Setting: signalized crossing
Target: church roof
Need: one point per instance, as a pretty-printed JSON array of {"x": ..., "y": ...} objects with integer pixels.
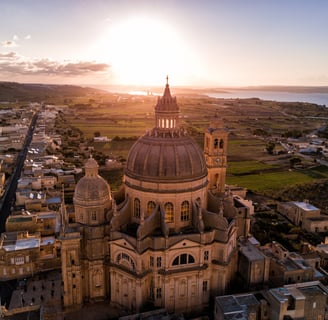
[
  {"x": 167, "y": 103},
  {"x": 91, "y": 187},
  {"x": 166, "y": 153},
  {"x": 165, "y": 158}
]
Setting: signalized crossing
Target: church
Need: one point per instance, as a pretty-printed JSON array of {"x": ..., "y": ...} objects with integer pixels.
[{"x": 169, "y": 239}]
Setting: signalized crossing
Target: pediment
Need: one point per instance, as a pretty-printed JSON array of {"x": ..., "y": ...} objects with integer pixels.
[
  {"x": 184, "y": 243},
  {"x": 123, "y": 243}
]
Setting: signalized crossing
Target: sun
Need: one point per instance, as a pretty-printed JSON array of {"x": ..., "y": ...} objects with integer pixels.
[{"x": 143, "y": 51}]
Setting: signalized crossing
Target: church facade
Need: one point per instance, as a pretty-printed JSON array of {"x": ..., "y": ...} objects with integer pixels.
[{"x": 171, "y": 240}]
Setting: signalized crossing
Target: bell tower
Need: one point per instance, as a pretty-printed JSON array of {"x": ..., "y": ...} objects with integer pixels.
[{"x": 215, "y": 150}]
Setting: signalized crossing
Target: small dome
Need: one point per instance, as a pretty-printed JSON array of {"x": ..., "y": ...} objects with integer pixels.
[
  {"x": 91, "y": 163},
  {"x": 170, "y": 159},
  {"x": 92, "y": 187}
]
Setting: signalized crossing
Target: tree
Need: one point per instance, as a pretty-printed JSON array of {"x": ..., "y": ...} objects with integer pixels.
[
  {"x": 270, "y": 147},
  {"x": 293, "y": 161}
]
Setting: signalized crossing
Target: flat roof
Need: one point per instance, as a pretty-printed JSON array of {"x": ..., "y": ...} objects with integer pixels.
[
  {"x": 311, "y": 290},
  {"x": 305, "y": 206},
  {"x": 21, "y": 244},
  {"x": 20, "y": 218},
  {"x": 252, "y": 253},
  {"x": 247, "y": 299},
  {"x": 281, "y": 294},
  {"x": 229, "y": 304},
  {"x": 47, "y": 240}
]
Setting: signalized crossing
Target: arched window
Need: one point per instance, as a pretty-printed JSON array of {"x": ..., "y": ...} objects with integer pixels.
[
  {"x": 137, "y": 208},
  {"x": 185, "y": 211},
  {"x": 169, "y": 217},
  {"x": 183, "y": 259},
  {"x": 216, "y": 143},
  {"x": 216, "y": 180},
  {"x": 221, "y": 144},
  {"x": 150, "y": 207},
  {"x": 123, "y": 257}
]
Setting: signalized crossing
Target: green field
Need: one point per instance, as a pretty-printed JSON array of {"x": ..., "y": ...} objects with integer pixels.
[
  {"x": 122, "y": 128},
  {"x": 267, "y": 182},
  {"x": 245, "y": 148},
  {"x": 247, "y": 167}
]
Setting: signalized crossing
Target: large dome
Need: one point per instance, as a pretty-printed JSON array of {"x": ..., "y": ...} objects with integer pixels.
[
  {"x": 165, "y": 158},
  {"x": 166, "y": 153},
  {"x": 91, "y": 187}
]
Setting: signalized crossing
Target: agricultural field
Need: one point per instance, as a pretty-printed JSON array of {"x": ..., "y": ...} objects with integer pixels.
[{"x": 125, "y": 118}]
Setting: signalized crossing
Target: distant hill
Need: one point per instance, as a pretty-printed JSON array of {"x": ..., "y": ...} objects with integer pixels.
[{"x": 12, "y": 91}]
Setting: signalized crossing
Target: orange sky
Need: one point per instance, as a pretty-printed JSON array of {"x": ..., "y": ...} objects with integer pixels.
[{"x": 198, "y": 43}]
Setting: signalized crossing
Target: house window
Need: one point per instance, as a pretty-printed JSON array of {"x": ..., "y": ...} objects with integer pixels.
[
  {"x": 151, "y": 293},
  {"x": 185, "y": 211},
  {"x": 137, "y": 208},
  {"x": 94, "y": 216},
  {"x": 159, "y": 262},
  {"x": 183, "y": 259},
  {"x": 150, "y": 207},
  {"x": 19, "y": 260},
  {"x": 216, "y": 143},
  {"x": 158, "y": 293},
  {"x": 206, "y": 255},
  {"x": 205, "y": 286},
  {"x": 151, "y": 261},
  {"x": 169, "y": 212},
  {"x": 221, "y": 144}
]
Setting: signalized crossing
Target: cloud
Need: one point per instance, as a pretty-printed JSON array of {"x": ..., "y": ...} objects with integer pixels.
[
  {"x": 9, "y": 44},
  {"x": 28, "y": 37},
  {"x": 12, "y": 63}
]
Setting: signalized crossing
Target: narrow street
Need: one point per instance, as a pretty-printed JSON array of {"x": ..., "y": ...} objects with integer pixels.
[{"x": 9, "y": 196}]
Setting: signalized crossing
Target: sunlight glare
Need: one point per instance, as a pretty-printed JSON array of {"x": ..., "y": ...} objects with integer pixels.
[{"x": 142, "y": 50}]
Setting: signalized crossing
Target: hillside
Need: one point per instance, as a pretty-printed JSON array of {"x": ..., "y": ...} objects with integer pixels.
[{"x": 12, "y": 91}]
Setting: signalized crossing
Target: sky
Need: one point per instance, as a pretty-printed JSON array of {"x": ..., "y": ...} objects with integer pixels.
[{"x": 200, "y": 43}]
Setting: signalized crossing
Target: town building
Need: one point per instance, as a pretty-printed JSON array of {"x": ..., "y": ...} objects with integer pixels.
[
  {"x": 305, "y": 215},
  {"x": 307, "y": 300},
  {"x": 289, "y": 267}
]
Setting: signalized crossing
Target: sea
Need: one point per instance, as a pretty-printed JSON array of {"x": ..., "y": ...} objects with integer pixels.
[
  {"x": 284, "y": 96},
  {"x": 319, "y": 97}
]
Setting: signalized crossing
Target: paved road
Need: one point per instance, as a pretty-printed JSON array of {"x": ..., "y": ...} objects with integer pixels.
[{"x": 9, "y": 196}]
